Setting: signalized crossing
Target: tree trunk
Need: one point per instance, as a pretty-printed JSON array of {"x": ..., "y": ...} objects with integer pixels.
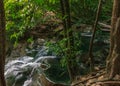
[
  {"x": 68, "y": 34},
  {"x": 113, "y": 59},
  {"x": 70, "y": 43},
  {"x": 62, "y": 3},
  {"x": 115, "y": 68},
  {"x": 91, "y": 57},
  {"x": 2, "y": 43}
]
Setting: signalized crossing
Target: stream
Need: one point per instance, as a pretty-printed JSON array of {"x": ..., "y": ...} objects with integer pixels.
[{"x": 24, "y": 70}]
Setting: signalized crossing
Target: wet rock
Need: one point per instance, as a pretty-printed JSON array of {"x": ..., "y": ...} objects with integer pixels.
[
  {"x": 42, "y": 51},
  {"x": 25, "y": 70}
]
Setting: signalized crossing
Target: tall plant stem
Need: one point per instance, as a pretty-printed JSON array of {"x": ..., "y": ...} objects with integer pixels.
[{"x": 91, "y": 58}]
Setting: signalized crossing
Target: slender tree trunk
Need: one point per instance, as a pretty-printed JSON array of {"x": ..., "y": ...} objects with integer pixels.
[
  {"x": 65, "y": 7},
  {"x": 62, "y": 3},
  {"x": 72, "y": 68},
  {"x": 2, "y": 43},
  {"x": 115, "y": 16},
  {"x": 91, "y": 58}
]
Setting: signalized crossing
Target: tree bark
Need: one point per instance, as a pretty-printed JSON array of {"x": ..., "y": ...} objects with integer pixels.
[
  {"x": 115, "y": 68},
  {"x": 2, "y": 43},
  {"x": 113, "y": 59}
]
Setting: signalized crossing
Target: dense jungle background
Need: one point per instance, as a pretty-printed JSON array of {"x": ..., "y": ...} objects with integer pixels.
[{"x": 59, "y": 42}]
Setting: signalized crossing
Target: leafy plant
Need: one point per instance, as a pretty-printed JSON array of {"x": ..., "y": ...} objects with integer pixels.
[{"x": 23, "y": 15}]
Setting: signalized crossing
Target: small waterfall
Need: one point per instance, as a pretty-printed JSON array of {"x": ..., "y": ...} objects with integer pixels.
[
  {"x": 26, "y": 68},
  {"x": 24, "y": 71}
]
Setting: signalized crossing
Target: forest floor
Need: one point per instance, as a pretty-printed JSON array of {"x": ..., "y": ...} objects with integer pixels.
[{"x": 98, "y": 78}]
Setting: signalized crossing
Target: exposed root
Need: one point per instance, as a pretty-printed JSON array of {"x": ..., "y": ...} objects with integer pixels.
[{"x": 87, "y": 80}]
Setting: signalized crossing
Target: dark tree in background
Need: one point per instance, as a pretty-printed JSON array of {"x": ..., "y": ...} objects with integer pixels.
[{"x": 2, "y": 43}]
